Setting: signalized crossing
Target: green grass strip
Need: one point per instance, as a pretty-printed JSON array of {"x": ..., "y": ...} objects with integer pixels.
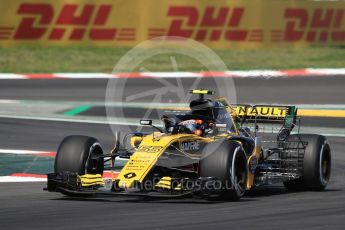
[
  {"x": 103, "y": 59},
  {"x": 77, "y": 110}
]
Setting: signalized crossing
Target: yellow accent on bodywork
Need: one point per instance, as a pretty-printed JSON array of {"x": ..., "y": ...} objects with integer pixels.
[
  {"x": 165, "y": 182},
  {"x": 202, "y": 91},
  {"x": 91, "y": 179},
  {"x": 146, "y": 156},
  {"x": 250, "y": 178},
  {"x": 265, "y": 111}
]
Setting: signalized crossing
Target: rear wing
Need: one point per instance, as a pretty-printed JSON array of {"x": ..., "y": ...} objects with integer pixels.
[
  {"x": 255, "y": 114},
  {"x": 285, "y": 115},
  {"x": 265, "y": 112},
  {"x": 261, "y": 112}
]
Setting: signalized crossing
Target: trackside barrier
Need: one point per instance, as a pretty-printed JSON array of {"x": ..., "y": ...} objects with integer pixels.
[{"x": 218, "y": 24}]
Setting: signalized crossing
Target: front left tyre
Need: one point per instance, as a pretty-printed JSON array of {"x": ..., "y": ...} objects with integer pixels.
[{"x": 78, "y": 154}]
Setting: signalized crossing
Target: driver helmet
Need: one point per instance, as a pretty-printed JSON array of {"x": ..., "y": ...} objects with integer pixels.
[{"x": 192, "y": 126}]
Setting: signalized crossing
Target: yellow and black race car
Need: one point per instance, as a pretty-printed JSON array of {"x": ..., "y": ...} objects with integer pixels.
[{"x": 215, "y": 151}]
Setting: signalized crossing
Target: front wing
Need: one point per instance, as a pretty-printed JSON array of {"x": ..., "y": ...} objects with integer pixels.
[{"x": 72, "y": 184}]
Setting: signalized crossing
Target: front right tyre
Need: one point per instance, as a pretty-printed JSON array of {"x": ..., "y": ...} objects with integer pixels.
[{"x": 226, "y": 161}]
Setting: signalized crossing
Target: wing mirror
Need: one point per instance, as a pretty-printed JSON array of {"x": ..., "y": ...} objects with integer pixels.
[{"x": 145, "y": 122}]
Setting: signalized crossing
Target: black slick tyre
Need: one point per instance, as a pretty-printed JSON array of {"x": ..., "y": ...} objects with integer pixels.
[
  {"x": 316, "y": 171},
  {"x": 75, "y": 154},
  {"x": 226, "y": 161}
]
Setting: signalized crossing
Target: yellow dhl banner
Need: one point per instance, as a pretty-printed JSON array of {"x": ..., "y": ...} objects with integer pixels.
[{"x": 218, "y": 24}]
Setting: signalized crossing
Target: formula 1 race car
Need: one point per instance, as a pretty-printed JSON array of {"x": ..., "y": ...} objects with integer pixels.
[{"x": 215, "y": 151}]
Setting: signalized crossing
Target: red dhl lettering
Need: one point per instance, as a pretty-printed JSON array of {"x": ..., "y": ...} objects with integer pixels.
[
  {"x": 72, "y": 21},
  {"x": 224, "y": 23},
  {"x": 219, "y": 24},
  {"x": 210, "y": 24},
  {"x": 321, "y": 25}
]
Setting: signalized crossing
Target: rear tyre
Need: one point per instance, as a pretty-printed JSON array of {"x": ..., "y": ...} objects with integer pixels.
[
  {"x": 75, "y": 154},
  {"x": 316, "y": 164},
  {"x": 226, "y": 161}
]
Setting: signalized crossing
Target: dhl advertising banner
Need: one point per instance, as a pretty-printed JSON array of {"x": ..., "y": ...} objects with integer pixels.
[{"x": 218, "y": 24}]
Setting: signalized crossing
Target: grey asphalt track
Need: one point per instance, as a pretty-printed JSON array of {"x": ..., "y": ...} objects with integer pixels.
[
  {"x": 298, "y": 90},
  {"x": 46, "y": 135},
  {"x": 26, "y": 206}
]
